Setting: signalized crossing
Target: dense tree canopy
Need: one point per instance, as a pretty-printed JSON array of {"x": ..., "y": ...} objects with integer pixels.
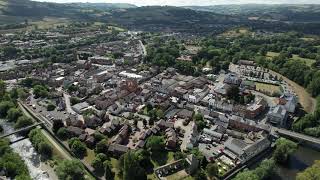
[
  {"x": 70, "y": 169},
  {"x": 284, "y": 148},
  {"x": 155, "y": 143},
  {"x": 311, "y": 173}
]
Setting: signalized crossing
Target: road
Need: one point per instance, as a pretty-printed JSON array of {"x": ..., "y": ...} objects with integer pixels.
[
  {"x": 296, "y": 135},
  {"x": 143, "y": 48},
  {"x": 305, "y": 99},
  {"x": 60, "y": 149},
  {"x": 68, "y": 104}
]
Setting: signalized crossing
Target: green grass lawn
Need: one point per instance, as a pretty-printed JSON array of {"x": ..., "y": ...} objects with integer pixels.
[
  {"x": 90, "y": 156},
  {"x": 268, "y": 88},
  {"x": 308, "y": 62},
  {"x": 162, "y": 158},
  {"x": 272, "y": 54}
]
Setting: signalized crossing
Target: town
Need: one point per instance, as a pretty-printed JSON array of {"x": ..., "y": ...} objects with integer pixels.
[{"x": 99, "y": 97}]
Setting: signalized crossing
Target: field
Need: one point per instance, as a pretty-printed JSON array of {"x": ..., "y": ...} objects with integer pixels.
[
  {"x": 307, "y": 39},
  {"x": 271, "y": 55},
  {"x": 47, "y": 23},
  {"x": 181, "y": 175},
  {"x": 268, "y": 88},
  {"x": 236, "y": 32},
  {"x": 308, "y": 62}
]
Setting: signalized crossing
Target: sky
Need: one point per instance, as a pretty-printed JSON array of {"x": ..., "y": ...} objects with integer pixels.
[{"x": 190, "y": 2}]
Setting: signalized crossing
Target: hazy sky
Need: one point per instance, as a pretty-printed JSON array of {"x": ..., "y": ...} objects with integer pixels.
[{"x": 191, "y": 2}]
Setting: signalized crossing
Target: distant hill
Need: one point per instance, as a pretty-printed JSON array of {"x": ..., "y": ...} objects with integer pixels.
[
  {"x": 14, "y": 11},
  {"x": 207, "y": 20},
  {"x": 285, "y": 12},
  {"x": 170, "y": 18},
  {"x": 104, "y": 6}
]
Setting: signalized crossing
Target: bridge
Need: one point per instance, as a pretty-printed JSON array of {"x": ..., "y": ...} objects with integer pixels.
[
  {"x": 21, "y": 130},
  {"x": 297, "y": 136}
]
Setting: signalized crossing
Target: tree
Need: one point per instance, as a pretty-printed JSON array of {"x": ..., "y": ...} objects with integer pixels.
[
  {"x": 246, "y": 175},
  {"x": 266, "y": 169},
  {"x": 70, "y": 169},
  {"x": 151, "y": 122},
  {"x": 199, "y": 120},
  {"x": 56, "y": 125},
  {"x": 135, "y": 122},
  {"x": 62, "y": 133},
  {"x": 311, "y": 173},
  {"x": 130, "y": 167},
  {"x": 178, "y": 155},
  {"x": 77, "y": 147},
  {"x": 4, "y": 107},
  {"x": 3, "y": 88},
  {"x": 155, "y": 143},
  {"x": 212, "y": 170},
  {"x": 40, "y": 91},
  {"x": 284, "y": 148},
  {"x": 45, "y": 150},
  {"x": 51, "y": 107},
  {"x": 13, "y": 114},
  {"x": 144, "y": 122},
  {"x": 23, "y": 121},
  {"x": 233, "y": 93},
  {"x": 10, "y": 51},
  {"x": 102, "y": 146},
  {"x": 107, "y": 170},
  {"x": 200, "y": 175},
  {"x": 97, "y": 164},
  {"x": 160, "y": 113}
]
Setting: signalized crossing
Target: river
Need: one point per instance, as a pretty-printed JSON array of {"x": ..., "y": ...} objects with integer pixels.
[
  {"x": 26, "y": 151},
  {"x": 300, "y": 160}
]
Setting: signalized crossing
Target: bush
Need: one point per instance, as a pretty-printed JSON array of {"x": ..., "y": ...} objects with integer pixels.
[
  {"x": 102, "y": 146},
  {"x": 4, "y": 108},
  {"x": 77, "y": 147},
  {"x": 40, "y": 143},
  {"x": 70, "y": 169},
  {"x": 13, "y": 114},
  {"x": 51, "y": 107},
  {"x": 45, "y": 149},
  {"x": 62, "y": 133},
  {"x": 22, "y": 122}
]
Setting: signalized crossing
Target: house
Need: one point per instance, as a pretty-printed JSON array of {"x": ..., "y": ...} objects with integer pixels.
[
  {"x": 215, "y": 136},
  {"x": 92, "y": 121},
  {"x": 246, "y": 63},
  {"x": 80, "y": 107},
  {"x": 75, "y": 131},
  {"x": 73, "y": 120},
  {"x": 101, "y": 60},
  {"x": 220, "y": 105},
  {"x": 191, "y": 137},
  {"x": 278, "y": 115},
  {"x": 192, "y": 164},
  {"x": 232, "y": 79},
  {"x": 222, "y": 89},
  {"x": 255, "y": 109},
  {"x": 117, "y": 149},
  {"x": 171, "y": 136},
  {"x": 289, "y": 102},
  {"x": 122, "y": 135},
  {"x": 185, "y": 114}
]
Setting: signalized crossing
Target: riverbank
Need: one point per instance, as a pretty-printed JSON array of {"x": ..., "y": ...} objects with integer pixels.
[
  {"x": 299, "y": 161},
  {"x": 38, "y": 170},
  {"x": 305, "y": 99}
]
